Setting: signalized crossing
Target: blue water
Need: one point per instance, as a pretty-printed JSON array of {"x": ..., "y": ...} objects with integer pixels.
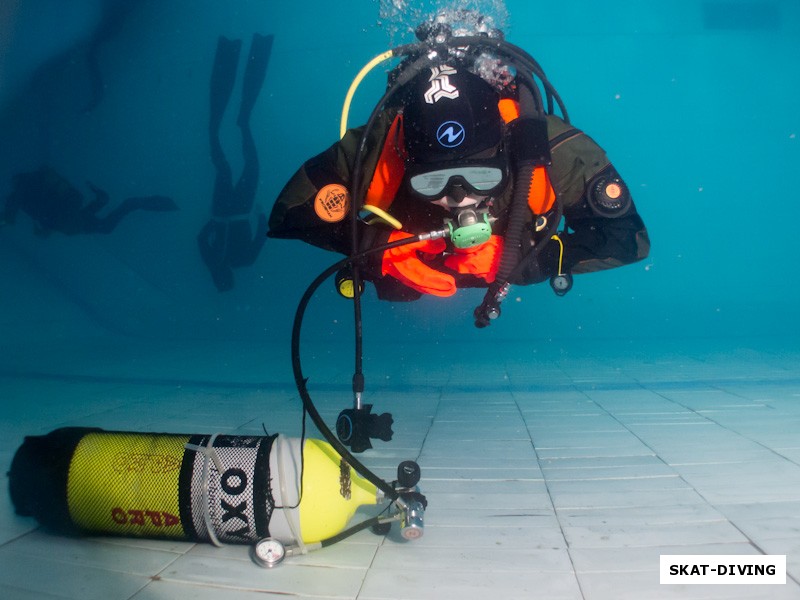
[{"x": 694, "y": 101}]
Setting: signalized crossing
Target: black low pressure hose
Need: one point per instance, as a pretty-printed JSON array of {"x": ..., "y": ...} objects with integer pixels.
[
  {"x": 300, "y": 379},
  {"x": 516, "y": 223},
  {"x": 371, "y": 522},
  {"x": 529, "y": 124},
  {"x": 356, "y": 185},
  {"x": 308, "y": 404}
]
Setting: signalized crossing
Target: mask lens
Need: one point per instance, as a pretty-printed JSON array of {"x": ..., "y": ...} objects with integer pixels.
[{"x": 479, "y": 178}]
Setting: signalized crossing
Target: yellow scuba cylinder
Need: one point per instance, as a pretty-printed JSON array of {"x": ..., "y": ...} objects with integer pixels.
[{"x": 209, "y": 488}]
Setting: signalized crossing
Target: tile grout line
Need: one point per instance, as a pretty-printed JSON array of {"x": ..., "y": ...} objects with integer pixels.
[{"x": 549, "y": 496}]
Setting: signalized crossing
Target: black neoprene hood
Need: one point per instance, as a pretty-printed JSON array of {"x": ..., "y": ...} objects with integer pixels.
[{"x": 450, "y": 115}]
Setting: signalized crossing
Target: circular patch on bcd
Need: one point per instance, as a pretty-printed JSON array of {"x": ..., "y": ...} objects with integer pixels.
[{"x": 332, "y": 203}]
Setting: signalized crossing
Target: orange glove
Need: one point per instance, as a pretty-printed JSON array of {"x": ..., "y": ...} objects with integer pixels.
[
  {"x": 481, "y": 261},
  {"x": 404, "y": 264}
]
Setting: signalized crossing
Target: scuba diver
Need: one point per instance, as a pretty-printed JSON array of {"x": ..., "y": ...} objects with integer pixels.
[
  {"x": 55, "y": 204},
  {"x": 463, "y": 176},
  {"x": 455, "y": 148},
  {"x": 227, "y": 241}
]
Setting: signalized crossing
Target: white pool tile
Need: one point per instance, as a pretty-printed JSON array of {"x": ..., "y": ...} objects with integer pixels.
[
  {"x": 174, "y": 590},
  {"x": 475, "y": 516},
  {"x": 519, "y": 471},
  {"x": 617, "y": 485},
  {"x": 435, "y": 584},
  {"x": 49, "y": 575},
  {"x": 592, "y": 469},
  {"x": 26, "y": 593},
  {"x": 477, "y": 555},
  {"x": 491, "y": 486},
  {"x": 789, "y": 510},
  {"x": 700, "y": 512},
  {"x": 95, "y": 552},
  {"x": 623, "y": 499},
  {"x": 664, "y": 534},
  {"x": 497, "y": 449},
  {"x": 473, "y": 499},
  {"x": 242, "y": 574},
  {"x": 485, "y": 530}
]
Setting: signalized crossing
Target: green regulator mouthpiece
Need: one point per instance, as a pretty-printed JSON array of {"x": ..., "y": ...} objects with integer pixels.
[{"x": 470, "y": 229}]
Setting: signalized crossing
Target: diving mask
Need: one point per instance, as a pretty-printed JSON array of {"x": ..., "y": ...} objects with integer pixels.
[{"x": 480, "y": 178}]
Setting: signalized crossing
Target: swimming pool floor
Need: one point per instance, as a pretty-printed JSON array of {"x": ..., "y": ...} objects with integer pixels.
[{"x": 560, "y": 472}]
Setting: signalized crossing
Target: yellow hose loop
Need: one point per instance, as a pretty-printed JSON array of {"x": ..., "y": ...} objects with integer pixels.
[
  {"x": 560, "y": 253},
  {"x": 382, "y": 214},
  {"x": 354, "y": 85}
]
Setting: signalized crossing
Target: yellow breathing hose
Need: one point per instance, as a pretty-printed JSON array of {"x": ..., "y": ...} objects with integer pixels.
[
  {"x": 354, "y": 85},
  {"x": 382, "y": 214},
  {"x": 560, "y": 253}
]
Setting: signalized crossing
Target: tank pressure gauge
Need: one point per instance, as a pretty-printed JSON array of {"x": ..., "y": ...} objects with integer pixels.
[
  {"x": 561, "y": 283},
  {"x": 268, "y": 553}
]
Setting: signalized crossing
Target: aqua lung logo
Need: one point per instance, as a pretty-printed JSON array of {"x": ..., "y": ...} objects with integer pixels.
[
  {"x": 450, "y": 134},
  {"x": 440, "y": 85}
]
